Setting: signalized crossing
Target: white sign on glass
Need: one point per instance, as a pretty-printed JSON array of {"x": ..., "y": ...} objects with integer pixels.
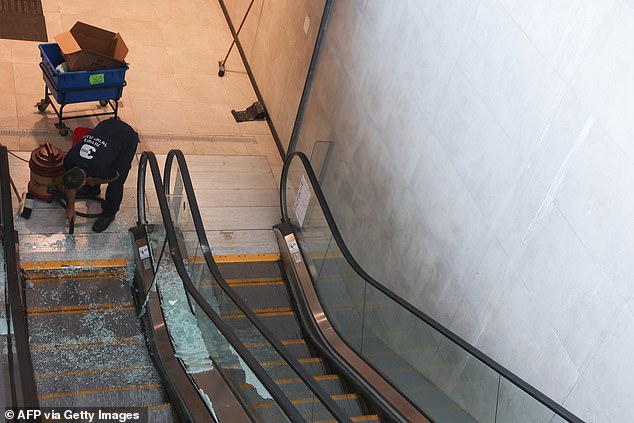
[{"x": 301, "y": 201}]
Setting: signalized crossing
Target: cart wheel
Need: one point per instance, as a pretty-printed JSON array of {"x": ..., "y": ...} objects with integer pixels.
[
  {"x": 103, "y": 103},
  {"x": 42, "y": 105},
  {"x": 64, "y": 130}
]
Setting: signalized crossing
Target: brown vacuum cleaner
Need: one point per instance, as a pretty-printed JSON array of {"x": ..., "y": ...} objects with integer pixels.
[
  {"x": 47, "y": 168},
  {"x": 46, "y": 171}
]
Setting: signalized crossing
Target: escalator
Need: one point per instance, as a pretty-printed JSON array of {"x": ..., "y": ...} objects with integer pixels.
[
  {"x": 309, "y": 335},
  {"x": 258, "y": 352},
  {"x": 303, "y": 335}
]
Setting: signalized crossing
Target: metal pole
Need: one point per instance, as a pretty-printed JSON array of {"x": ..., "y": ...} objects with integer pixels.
[{"x": 221, "y": 63}]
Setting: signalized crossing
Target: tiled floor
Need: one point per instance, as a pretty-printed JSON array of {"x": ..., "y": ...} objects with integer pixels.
[{"x": 173, "y": 98}]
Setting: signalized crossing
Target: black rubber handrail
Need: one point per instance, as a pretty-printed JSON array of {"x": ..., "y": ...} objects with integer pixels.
[
  {"x": 17, "y": 307},
  {"x": 319, "y": 392},
  {"x": 280, "y": 398},
  {"x": 482, "y": 357}
]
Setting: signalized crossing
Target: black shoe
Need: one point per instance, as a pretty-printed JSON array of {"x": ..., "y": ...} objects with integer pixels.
[{"x": 102, "y": 224}]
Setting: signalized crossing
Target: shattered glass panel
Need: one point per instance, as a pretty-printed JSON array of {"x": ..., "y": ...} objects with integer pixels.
[{"x": 181, "y": 323}]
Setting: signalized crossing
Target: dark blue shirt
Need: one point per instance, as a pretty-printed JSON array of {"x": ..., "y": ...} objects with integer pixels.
[{"x": 105, "y": 151}]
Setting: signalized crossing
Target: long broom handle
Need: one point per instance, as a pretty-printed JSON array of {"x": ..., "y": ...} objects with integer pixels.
[{"x": 239, "y": 29}]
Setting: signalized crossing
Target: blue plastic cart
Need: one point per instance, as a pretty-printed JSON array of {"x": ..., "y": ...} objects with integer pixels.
[{"x": 105, "y": 86}]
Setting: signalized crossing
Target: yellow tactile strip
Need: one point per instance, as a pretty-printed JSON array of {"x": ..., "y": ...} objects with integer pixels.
[
  {"x": 89, "y": 371},
  {"x": 266, "y": 344},
  {"x": 99, "y": 391},
  {"x": 256, "y": 281},
  {"x": 338, "y": 397},
  {"x": 262, "y": 312},
  {"x": 79, "y": 309},
  {"x": 247, "y": 258},
  {"x": 49, "y": 268},
  {"x": 135, "y": 340}
]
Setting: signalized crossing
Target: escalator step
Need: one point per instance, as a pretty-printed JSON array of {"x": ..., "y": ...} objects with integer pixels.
[
  {"x": 311, "y": 409},
  {"x": 330, "y": 383},
  {"x": 119, "y": 396},
  {"x": 76, "y": 268},
  {"x": 91, "y": 379},
  {"x": 46, "y": 293},
  {"x": 280, "y": 321},
  {"x": 279, "y": 369},
  {"x": 263, "y": 294},
  {"x": 77, "y": 308},
  {"x": 67, "y": 357},
  {"x": 71, "y": 326},
  {"x": 256, "y": 281},
  {"x": 248, "y": 270},
  {"x": 350, "y": 403},
  {"x": 309, "y": 406},
  {"x": 296, "y": 347},
  {"x": 162, "y": 413}
]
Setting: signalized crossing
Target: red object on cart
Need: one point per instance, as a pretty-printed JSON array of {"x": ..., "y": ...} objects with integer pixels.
[{"x": 78, "y": 134}]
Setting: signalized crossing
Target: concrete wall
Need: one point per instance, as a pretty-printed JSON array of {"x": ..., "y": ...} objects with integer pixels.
[
  {"x": 483, "y": 167},
  {"x": 278, "y": 37}
]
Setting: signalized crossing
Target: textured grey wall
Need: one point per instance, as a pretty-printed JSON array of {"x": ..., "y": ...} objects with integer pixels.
[
  {"x": 483, "y": 166},
  {"x": 278, "y": 37}
]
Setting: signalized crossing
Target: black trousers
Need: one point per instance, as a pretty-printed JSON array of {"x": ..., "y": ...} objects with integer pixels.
[{"x": 114, "y": 193}]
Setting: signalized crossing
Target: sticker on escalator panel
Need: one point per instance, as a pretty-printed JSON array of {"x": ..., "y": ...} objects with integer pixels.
[
  {"x": 144, "y": 252},
  {"x": 297, "y": 257},
  {"x": 293, "y": 247}
]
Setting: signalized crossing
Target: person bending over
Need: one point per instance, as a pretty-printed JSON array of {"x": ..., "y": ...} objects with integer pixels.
[{"x": 103, "y": 156}]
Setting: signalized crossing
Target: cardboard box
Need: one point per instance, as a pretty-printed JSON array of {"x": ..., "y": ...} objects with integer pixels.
[{"x": 86, "y": 48}]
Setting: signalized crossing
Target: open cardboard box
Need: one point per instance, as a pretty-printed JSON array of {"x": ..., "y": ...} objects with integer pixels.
[{"x": 86, "y": 48}]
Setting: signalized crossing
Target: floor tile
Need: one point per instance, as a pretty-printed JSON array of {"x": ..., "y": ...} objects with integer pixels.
[
  {"x": 8, "y": 111},
  {"x": 7, "y": 84},
  {"x": 28, "y": 79},
  {"x": 173, "y": 98}
]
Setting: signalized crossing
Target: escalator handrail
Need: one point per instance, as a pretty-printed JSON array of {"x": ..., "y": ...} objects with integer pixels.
[
  {"x": 328, "y": 402},
  {"x": 280, "y": 398},
  {"x": 18, "y": 311},
  {"x": 453, "y": 337}
]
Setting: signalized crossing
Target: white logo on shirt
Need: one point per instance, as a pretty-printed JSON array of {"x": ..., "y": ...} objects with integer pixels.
[{"x": 86, "y": 151}]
